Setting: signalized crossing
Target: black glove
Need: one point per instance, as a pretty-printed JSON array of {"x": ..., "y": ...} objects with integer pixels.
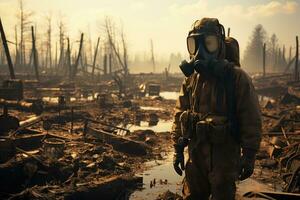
[
  {"x": 247, "y": 164},
  {"x": 179, "y": 155}
]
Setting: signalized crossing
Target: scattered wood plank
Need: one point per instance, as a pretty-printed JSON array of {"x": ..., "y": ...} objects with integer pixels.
[{"x": 122, "y": 144}]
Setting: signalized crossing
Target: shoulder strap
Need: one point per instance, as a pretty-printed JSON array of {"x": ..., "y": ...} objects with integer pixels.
[
  {"x": 220, "y": 95},
  {"x": 192, "y": 87},
  {"x": 230, "y": 88}
]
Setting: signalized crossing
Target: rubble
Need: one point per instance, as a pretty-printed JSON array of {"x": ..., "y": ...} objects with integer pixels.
[
  {"x": 168, "y": 195},
  {"x": 77, "y": 148},
  {"x": 279, "y": 155}
]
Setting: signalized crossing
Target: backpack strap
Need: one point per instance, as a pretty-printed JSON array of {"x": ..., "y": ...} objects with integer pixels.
[
  {"x": 231, "y": 103},
  {"x": 192, "y": 88},
  {"x": 220, "y": 95}
]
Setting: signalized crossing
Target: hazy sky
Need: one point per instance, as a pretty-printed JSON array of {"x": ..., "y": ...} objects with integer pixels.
[{"x": 165, "y": 21}]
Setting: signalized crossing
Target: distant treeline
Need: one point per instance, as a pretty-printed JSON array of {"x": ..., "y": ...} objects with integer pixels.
[{"x": 277, "y": 56}]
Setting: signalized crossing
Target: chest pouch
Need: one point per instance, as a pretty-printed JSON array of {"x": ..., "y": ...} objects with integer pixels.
[
  {"x": 187, "y": 120},
  {"x": 218, "y": 129},
  {"x": 202, "y": 131},
  {"x": 214, "y": 129}
]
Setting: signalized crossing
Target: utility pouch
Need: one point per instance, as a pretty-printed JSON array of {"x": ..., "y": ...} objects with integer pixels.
[
  {"x": 202, "y": 131},
  {"x": 186, "y": 124},
  {"x": 219, "y": 131}
]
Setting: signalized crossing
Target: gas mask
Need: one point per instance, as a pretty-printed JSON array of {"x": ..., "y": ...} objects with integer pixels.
[
  {"x": 205, "y": 47},
  {"x": 205, "y": 43}
]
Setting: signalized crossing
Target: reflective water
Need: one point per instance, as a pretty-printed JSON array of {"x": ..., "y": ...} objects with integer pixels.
[
  {"x": 161, "y": 126},
  {"x": 72, "y": 99},
  {"x": 169, "y": 95},
  {"x": 150, "y": 108},
  {"x": 165, "y": 178},
  {"x": 265, "y": 99}
]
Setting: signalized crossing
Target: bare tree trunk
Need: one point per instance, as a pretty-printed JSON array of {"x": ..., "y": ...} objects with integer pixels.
[
  {"x": 283, "y": 54},
  {"x": 90, "y": 47},
  {"x": 297, "y": 59},
  {"x": 279, "y": 58},
  {"x": 290, "y": 54},
  {"x": 55, "y": 56},
  {"x": 49, "y": 35},
  {"x": 22, "y": 47},
  {"x": 24, "y": 17},
  {"x": 95, "y": 57},
  {"x": 110, "y": 64},
  {"x": 276, "y": 59},
  {"x": 105, "y": 64},
  {"x": 274, "y": 56},
  {"x": 78, "y": 56},
  {"x": 1, "y": 54},
  {"x": 125, "y": 55},
  {"x": 69, "y": 59},
  {"x": 152, "y": 55},
  {"x": 61, "y": 45},
  {"x": 8, "y": 58},
  {"x": 34, "y": 53},
  {"x": 264, "y": 60},
  {"x": 108, "y": 28},
  {"x": 17, "y": 58}
]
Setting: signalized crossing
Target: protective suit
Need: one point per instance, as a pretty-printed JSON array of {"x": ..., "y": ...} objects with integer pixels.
[{"x": 217, "y": 117}]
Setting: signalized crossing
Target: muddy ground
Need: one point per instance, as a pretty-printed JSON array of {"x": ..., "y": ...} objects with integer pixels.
[{"x": 120, "y": 148}]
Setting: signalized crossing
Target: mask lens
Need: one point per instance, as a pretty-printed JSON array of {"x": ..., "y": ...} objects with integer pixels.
[
  {"x": 211, "y": 43},
  {"x": 191, "y": 45}
]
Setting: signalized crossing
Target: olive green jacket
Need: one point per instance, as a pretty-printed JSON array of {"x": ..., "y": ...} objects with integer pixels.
[{"x": 202, "y": 94}]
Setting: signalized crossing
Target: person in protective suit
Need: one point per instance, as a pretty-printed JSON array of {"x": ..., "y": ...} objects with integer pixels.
[{"x": 217, "y": 117}]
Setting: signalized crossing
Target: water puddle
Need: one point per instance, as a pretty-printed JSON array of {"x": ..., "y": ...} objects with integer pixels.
[
  {"x": 169, "y": 95},
  {"x": 50, "y": 99},
  {"x": 165, "y": 179},
  {"x": 265, "y": 99},
  {"x": 150, "y": 108},
  {"x": 72, "y": 99},
  {"x": 161, "y": 126}
]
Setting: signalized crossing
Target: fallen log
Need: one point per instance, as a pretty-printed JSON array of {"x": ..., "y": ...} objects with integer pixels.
[
  {"x": 278, "y": 118},
  {"x": 109, "y": 125},
  {"x": 290, "y": 98},
  {"x": 111, "y": 188},
  {"x": 26, "y": 123},
  {"x": 272, "y": 195},
  {"x": 272, "y": 91},
  {"x": 278, "y": 124},
  {"x": 285, "y": 136},
  {"x": 30, "y": 121},
  {"x": 119, "y": 143},
  {"x": 36, "y": 106},
  {"x": 108, "y": 188},
  {"x": 55, "y": 89},
  {"x": 280, "y": 133}
]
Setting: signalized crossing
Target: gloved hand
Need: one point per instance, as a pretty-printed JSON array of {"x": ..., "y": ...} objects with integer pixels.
[
  {"x": 178, "y": 160},
  {"x": 247, "y": 164}
]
